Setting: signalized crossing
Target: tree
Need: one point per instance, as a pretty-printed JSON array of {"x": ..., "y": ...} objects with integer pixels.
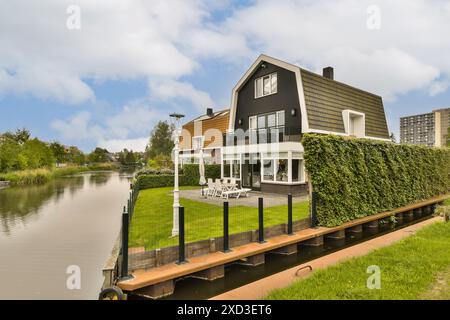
[
  {"x": 160, "y": 140},
  {"x": 37, "y": 154},
  {"x": 76, "y": 156},
  {"x": 59, "y": 152},
  {"x": 99, "y": 155},
  {"x": 20, "y": 136},
  {"x": 447, "y": 138}
]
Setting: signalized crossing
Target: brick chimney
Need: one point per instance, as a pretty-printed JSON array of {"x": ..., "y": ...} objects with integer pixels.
[{"x": 209, "y": 112}]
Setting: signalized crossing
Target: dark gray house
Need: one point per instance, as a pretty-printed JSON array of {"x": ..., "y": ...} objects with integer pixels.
[{"x": 273, "y": 104}]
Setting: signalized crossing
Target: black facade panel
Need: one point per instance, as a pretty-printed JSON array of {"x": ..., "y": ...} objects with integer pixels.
[{"x": 286, "y": 98}]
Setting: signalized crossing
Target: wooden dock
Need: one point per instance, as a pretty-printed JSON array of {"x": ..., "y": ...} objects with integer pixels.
[{"x": 158, "y": 282}]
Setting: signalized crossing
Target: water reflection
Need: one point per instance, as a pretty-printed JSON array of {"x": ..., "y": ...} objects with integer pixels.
[{"x": 46, "y": 228}]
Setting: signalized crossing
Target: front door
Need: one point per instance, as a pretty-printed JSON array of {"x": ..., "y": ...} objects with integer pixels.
[{"x": 251, "y": 174}]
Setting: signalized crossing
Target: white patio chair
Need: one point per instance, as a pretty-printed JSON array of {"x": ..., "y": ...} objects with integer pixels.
[
  {"x": 211, "y": 188},
  {"x": 218, "y": 189}
]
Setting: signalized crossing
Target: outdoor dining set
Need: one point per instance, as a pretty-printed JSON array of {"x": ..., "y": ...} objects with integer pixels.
[{"x": 225, "y": 188}]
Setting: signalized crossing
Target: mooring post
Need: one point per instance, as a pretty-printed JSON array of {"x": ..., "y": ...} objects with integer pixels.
[
  {"x": 314, "y": 209},
  {"x": 289, "y": 226},
  {"x": 181, "y": 244},
  {"x": 125, "y": 224},
  {"x": 226, "y": 240},
  {"x": 261, "y": 220}
]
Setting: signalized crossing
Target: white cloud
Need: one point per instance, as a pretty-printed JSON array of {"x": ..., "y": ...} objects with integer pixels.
[
  {"x": 128, "y": 128},
  {"x": 115, "y": 145},
  {"x": 408, "y": 52},
  {"x": 171, "y": 89},
  {"x": 118, "y": 39}
]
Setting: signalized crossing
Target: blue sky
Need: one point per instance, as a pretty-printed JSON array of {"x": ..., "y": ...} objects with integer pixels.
[{"x": 103, "y": 73}]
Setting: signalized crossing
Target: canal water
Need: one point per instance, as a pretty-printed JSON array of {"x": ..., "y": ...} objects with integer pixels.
[{"x": 67, "y": 225}]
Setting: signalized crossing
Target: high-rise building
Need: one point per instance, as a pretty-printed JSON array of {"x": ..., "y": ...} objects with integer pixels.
[{"x": 429, "y": 129}]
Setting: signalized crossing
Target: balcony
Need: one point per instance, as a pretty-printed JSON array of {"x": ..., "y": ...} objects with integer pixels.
[{"x": 263, "y": 136}]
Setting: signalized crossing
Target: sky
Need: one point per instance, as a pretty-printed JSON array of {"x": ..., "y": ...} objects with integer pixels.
[{"x": 103, "y": 73}]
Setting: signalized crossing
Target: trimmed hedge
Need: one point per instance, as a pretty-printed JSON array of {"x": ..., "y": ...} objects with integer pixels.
[
  {"x": 189, "y": 176},
  {"x": 354, "y": 178}
]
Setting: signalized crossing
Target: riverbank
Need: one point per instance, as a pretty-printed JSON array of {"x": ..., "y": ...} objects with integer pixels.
[
  {"x": 43, "y": 175},
  {"x": 410, "y": 269}
]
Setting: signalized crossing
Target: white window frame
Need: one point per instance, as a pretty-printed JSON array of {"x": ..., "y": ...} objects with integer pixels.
[
  {"x": 201, "y": 141},
  {"x": 290, "y": 157},
  {"x": 259, "y": 85}
]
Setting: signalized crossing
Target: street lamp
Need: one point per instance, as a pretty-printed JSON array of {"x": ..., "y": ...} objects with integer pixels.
[{"x": 176, "y": 193}]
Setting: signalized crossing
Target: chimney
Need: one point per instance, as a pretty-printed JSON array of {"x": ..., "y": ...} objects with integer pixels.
[
  {"x": 328, "y": 72},
  {"x": 209, "y": 112}
]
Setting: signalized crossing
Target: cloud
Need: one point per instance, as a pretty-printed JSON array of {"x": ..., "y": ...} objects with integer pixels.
[
  {"x": 176, "y": 90},
  {"x": 115, "y": 145},
  {"x": 407, "y": 53},
  {"x": 117, "y": 39},
  {"x": 129, "y": 128}
]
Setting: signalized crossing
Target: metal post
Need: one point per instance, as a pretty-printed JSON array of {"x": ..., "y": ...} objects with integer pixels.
[
  {"x": 181, "y": 244},
  {"x": 125, "y": 222},
  {"x": 176, "y": 191},
  {"x": 226, "y": 240},
  {"x": 289, "y": 225},
  {"x": 261, "y": 221},
  {"x": 314, "y": 221}
]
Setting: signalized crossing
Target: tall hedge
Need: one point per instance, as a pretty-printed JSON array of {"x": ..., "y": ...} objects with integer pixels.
[
  {"x": 354, "y": 178},
  {"x": 189, "y": 176}
]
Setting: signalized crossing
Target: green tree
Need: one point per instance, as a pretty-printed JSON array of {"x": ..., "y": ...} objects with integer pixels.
[
  {"x": 59, "y": 152},
  {"x": 37, "y": 154},
  {"x": 76, "y": 156},
  {"x": 9, "y": 154},
  {"x": 20, "y": 136},
  {"x": 160, "y": 140},
  {"x": 447, "y": 138},
  {"x": 99, "y": 155}
]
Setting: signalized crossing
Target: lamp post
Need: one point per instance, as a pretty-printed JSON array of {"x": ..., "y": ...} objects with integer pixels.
[{"x": 176, "y": 192}]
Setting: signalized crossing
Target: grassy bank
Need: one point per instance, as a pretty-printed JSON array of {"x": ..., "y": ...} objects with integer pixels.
[
  {"x": 152, "y": 220},
  {"x": 39, "y": 176},
  {"x": 417, "y": 267}
]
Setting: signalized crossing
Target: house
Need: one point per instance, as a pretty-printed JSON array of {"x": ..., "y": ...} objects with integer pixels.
[
  {"x": 273, "y": 104},
  {"x": 204, "y": 133},
  {"x": 429, "y": 129}
]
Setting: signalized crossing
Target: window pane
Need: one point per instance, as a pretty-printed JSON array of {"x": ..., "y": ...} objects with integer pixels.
[
  {"x": 274, "y": 82},
  {"x": 236, "y": 169},
  {"x": 258, "y": 88},
  {"x": 252, "y": 122},
  {"x": 226, "y": 168},
  {"x": 282, "y": 170},
  {"x": 280, "y": 120},
  {"x": 268, "y": 170},
  {"x": 261, "y": 122},
  {"x": 266, "y": 85},
  {"x": 271, "y": 120},
  {"x": 297, "y": 170}
]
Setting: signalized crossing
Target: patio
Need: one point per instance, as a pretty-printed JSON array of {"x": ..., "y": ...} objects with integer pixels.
[{"x": 270, "y": 199}]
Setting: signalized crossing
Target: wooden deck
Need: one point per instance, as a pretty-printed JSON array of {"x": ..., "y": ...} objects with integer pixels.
[{"x": 144, "y": 278}]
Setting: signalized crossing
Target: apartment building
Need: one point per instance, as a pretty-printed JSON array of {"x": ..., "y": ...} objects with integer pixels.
[{"x": 429, "y": 129}]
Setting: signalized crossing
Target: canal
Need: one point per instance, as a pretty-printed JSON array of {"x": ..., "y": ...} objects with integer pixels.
[{"x": 46, "y": 229}]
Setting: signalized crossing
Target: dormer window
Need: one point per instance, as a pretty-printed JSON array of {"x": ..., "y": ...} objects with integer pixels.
[{"x": 266, "y": 85}]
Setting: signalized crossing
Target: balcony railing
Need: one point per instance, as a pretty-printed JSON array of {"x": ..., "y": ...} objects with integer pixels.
[{"x": 260, "y": 136}]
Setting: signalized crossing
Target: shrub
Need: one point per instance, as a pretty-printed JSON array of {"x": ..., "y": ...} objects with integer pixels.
[
  {"x": 189, "y": 176},
  {"x": 354, "y": 178}
]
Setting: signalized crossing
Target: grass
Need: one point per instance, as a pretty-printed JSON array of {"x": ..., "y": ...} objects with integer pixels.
[
  {"x": 152, "y": 220},
  {"x": 410, "y": 269},
  {"x": 42, "y": 175}
]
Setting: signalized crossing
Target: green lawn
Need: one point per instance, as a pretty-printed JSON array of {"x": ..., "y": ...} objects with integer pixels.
[
  {"x": 152, "y": 220},
  {"x": 417, "y": 267}
]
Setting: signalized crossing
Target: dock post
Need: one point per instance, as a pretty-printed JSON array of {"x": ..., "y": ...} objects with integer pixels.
[
  {"x": 226, "y": 239},
  {"x": 125, "y": 225},
  {"x": 289, "y": 226},
  {"x": 181, "y": 244},
  {"x": 261, "y": 220},
  {"x": 314, "y": 209}
]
